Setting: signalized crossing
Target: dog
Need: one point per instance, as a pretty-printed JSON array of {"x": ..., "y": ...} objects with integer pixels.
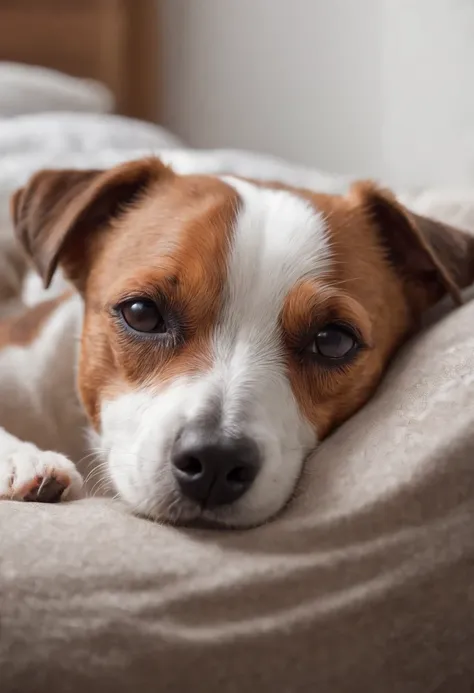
[{"x": 216, "y": 330}]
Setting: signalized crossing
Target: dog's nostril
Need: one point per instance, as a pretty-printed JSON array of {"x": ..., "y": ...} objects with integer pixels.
[
  {"x": 189, "y": 465},
  {"x": 240, "y": 475}
]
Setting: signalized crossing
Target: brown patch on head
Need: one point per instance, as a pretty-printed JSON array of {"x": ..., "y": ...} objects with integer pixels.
[
  {"x": 326, "y": 395},
  {"x": 361, "y": 291},
  {"x": 171, "y": 248},
  {"x": 24, "y": 328},
  {"x": 389, "y": 265},
  {"x": 137, "y": 230}
]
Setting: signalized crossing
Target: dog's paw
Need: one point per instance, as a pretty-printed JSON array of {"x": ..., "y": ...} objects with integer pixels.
[{"x": 30, "y": 474}]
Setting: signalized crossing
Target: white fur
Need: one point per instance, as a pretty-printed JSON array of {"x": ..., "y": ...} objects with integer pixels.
[
  {"x": 33, "y": 375},
  {"x": 33, "y": 291},
  {"x": 278, "y": 240},
  {"x": 32, "y": 410}
]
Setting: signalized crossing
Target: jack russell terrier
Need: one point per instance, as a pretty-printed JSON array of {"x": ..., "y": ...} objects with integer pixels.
[{"x": 217, "y": 330}]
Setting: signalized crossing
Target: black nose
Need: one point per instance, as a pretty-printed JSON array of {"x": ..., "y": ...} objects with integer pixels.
[{"x": 214, "y": 472}]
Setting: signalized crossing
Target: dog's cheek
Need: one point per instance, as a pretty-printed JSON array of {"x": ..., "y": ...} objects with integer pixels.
[{"x": 97, "y": 377}]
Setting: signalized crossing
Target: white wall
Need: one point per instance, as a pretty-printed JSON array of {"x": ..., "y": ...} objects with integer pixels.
[
  {"x": 372, "y": 87},
  {"x": 428, "y": 91}
]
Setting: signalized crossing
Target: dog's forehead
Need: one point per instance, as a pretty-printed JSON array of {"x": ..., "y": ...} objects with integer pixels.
[
  {"x": 279, "y": 226},
  {"x": 278, "y": 239},
  {"x": 255, "y": 239}
]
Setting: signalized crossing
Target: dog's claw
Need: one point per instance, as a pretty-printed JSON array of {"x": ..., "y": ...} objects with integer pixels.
[
  {"x": 38, "y": 476},
  {"x": 49, "y": 490}
]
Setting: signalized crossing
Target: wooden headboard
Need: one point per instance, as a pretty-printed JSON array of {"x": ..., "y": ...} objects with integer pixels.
[{"x": 113, "y": 41}]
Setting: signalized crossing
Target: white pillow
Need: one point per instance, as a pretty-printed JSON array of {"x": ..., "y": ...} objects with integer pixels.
[{"x": 30, "y": 89}]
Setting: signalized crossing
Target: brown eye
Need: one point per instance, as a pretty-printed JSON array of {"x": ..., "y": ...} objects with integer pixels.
[
  {"x": 334, "y": 342},
  {"x": 142, "y": 315}
]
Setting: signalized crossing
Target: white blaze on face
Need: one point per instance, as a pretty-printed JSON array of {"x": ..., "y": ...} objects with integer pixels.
[{"x": 278, "y": 239}]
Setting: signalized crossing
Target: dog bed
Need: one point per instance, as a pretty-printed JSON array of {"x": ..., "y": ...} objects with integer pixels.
[{"x": 365, "y": 582}]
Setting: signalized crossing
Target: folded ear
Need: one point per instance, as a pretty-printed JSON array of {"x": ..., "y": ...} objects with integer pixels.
[
  {"x": 56, "y": 213},
  {"x": 431, "y": 257}
]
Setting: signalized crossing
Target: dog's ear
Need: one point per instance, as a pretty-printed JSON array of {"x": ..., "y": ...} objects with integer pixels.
[
  {"x": 432, "y": 258},
  {"x": 58, "y": 211}
]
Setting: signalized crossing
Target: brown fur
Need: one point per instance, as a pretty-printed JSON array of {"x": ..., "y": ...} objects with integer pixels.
[
  {"x": 362, "y": 290},
  {"x": 186, "y": 225}
]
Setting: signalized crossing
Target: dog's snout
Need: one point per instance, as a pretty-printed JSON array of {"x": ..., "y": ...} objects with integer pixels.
[{"x": 214, "y": 472}]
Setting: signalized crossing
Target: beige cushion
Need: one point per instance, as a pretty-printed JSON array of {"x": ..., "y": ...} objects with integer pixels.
[{"x": 366, "y": 583}]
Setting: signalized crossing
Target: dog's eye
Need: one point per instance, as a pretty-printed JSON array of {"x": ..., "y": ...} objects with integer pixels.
[
  {"x": 334, "y": 343},
  {"x": 142, "y": 315}
]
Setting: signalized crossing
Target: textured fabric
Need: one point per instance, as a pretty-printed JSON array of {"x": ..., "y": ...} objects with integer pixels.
[{"x": 366, "y": 583}]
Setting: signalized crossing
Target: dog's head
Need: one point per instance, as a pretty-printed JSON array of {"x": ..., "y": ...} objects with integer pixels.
[{"x": 229, "y": 325}]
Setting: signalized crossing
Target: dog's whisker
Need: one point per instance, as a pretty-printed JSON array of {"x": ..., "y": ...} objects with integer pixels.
[
  {"x": 96, "y": 471},
  {"x": 100, "y": 486}
]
